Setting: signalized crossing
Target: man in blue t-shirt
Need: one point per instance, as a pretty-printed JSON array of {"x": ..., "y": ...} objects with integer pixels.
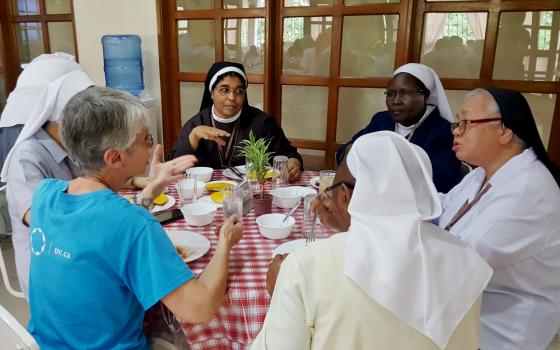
[{"x": 97, "y": 261}]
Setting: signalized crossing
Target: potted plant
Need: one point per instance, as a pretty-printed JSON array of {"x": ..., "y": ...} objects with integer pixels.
[{"x": 256, "y": 151}]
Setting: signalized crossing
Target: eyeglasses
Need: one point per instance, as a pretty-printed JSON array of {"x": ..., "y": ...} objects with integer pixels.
[
  {"x": 462, "y": 125},
  {"x": 404, "y": 95},
  {"x": 333, "y": 187},
  {"x": 225, "y": 91}
]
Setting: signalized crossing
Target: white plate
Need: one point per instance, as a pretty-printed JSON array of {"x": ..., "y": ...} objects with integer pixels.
[
  {"x": 288, "y": 247},
  {"x": 194, "y": 243},
  {"x": 315, "y": 181},
  {"x": 170, "y": 202},
  {"x": 229, "y": 174}
]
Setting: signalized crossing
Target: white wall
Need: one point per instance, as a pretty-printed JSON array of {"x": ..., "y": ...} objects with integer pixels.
[{"x": 93, "y": 19}]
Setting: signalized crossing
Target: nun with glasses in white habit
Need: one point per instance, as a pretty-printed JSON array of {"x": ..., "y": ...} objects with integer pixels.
[{"x": 393, "y": 280}]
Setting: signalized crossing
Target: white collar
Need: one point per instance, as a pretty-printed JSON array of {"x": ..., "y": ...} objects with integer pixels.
[
  {"x": 225, "y": 120},
  {"x": 405, "y": 130}
]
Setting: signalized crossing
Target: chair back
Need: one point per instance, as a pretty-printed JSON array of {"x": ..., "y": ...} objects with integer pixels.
[
  {"x": 13, "y": 334},
  {"x": 3, "y": 269}
]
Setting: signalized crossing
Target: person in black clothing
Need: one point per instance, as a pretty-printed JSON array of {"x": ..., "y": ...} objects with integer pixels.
[
  {"x": 418, "y": 110},
  {"x": 225, "y": 119}
]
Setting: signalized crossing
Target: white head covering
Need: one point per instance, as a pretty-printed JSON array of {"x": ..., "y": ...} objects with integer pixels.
[
  {"x": 431, "y": 80},
  {"x": 32, "y": 82},
  {"x": 423, "y": 275},
  {"x": 49, "y": 107},
  {"x": 223, "y": 71}
]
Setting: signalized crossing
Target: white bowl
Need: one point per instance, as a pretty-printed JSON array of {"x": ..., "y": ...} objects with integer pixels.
[
  {"x": 199, "y": 213},
  {"x": 202, "y": 173},
  {"x": 188, "y": 185},
  {"x": 288, "y": 197},
  {"x": 271, "y": 225}
]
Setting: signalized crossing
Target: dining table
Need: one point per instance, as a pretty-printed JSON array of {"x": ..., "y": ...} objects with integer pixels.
[{"x": 246, "y": 301}]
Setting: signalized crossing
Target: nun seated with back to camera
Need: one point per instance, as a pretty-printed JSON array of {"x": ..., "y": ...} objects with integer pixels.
[
  {"x": 225, "y": 119},
  {"x": 417, "y": 108}
]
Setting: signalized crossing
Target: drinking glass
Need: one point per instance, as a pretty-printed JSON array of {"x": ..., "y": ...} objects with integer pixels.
[
  {"x": 326, "y": 178},
  {"x": 186, "y": 189},
  {"x": 232, "y": 202},
  {"x": 251, "y": 176},
  {"x": 280, "y": 175}
]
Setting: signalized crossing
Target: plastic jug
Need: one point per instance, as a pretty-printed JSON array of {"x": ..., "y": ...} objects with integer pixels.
[{"x": 122, "y": 58}]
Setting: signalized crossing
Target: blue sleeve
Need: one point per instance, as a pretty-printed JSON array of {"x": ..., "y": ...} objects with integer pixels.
[{"x": 154, "y": 269}]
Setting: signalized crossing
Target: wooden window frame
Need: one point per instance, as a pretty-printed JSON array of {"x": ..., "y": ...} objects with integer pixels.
[
  {"x": 8, "y": 21},
  {"x": 408, "y": 49}
]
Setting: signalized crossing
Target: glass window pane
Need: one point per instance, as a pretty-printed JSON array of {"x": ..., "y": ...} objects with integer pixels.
[
  {"x": 542, "y": 106},
  {"x": 313, "y": 159},
  {"x": 361, "y": 2},
  {"x": 371, "y": 55},
  {"x": 196, "y": 45},
  {"x": 236, "y": 4},
  {"x": 30, "y": 41},
  {"x": 453, "y": 42},
  {"x": 244, "y": 43},
  {"x": 58, "y": 6},
  {"x": 301, "y": 3},
  {"x": 194, "y": 4},
  {"x": 528, "y": 46},
  {"x": 191, "y": 97},
  {"x": 61, "y": 37},
  {"x": 356, "y": 106},
  {"x": 25, "y": 7},
  {"x": 255, "y": 95},
  {"x": 304, "y": 111},
  {"x": 307, "y": 45}
]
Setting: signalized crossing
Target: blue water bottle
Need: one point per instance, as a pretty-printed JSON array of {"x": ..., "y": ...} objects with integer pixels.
[{"x": 122, "y": 58}]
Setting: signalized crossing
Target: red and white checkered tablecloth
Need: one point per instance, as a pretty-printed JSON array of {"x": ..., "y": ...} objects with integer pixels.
[{"x": 242, "y": 314}]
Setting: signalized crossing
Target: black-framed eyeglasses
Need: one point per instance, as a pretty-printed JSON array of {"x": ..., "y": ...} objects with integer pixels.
[
  {"x": 462, "y": 125},
  {"x": 404, "y": 95},
  {"x": 338, "y": 184},
  {"x": 225, "y": 91}
]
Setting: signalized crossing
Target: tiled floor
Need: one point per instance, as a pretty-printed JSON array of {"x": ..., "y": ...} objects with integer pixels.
[{"x": 16, "y": 306}]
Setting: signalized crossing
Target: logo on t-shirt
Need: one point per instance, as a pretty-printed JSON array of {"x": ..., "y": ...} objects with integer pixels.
[{"x": 37, "y": 241}]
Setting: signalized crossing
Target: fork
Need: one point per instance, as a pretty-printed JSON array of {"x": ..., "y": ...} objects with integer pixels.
[{"x": 311, "y": 235}]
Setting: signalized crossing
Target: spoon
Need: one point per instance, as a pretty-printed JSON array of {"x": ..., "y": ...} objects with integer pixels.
[{"x": 291, "y": 212}]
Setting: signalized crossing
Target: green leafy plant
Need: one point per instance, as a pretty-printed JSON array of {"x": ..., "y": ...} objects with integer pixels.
[{"x": 256, "y": 150}]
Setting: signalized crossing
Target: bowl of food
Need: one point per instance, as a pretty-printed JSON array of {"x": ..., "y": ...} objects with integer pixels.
[
  {"x": 288, "y": 197},
  {"x": 273, "y": 226},
  {"x": 199, "y": 213},
  {"x": 202, "y": 173}
]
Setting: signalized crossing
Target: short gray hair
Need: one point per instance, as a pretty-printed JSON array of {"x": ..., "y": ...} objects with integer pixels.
[
  {"x": 494, "y": 108},
  {"x": 97, "y": 119}
]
